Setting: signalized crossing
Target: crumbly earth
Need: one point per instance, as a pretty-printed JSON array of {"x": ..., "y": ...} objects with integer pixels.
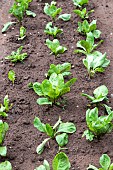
[{"x": 22, "y": 138}]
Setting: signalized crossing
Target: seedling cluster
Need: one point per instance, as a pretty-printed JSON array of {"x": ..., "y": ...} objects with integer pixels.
[{"x": 54, "y": 86}]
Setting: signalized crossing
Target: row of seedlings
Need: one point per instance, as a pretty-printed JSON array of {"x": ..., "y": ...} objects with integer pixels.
[
  {"x": 52, "y": 88},
  {"x": 94, "y": 62}
]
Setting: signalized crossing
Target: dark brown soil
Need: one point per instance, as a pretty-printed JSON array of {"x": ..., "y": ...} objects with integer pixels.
[{"x": 22, "y": 138}]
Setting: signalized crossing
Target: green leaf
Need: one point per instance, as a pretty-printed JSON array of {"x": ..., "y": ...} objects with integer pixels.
[
  {"x": 46, "y": 164},
  {"x": 30, "y": 13},
  {"x": 38, "y": 88},
  {"x": 43, "y": 101},
  {"x": 6, "y": 103},
  {"x": 49, "y": 130},
  {"x": 41, "y": 167},
  {"x": 61, "y": 162},
  {"x": 88, "y": 96},
  {"x": 22, "y": 33},
  {"x": 39, "y": 125},
  {"x": 65, "y": 17},
  {"x": 96, "y": 33},
  {"x": 5, "y": 165},
  {"x": 70, "y": 82},
  {"x": 3, "y": 150},
  {"x": 66, "y": 128},
  {"x": 11, "y": 76},
  {"x": 62, "y": 139},
  {"x": 101, "y": 91},
  {"x": 55, "y": 47},
  {"x": 3, "y": 129},
  {"x": 7, "y": 25},
  {"x": 105, "y": 161},
  {"x": 40, "y": 147}
]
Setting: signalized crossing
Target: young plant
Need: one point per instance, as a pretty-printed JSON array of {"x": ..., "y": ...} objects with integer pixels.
[
  {"x": 52, "y": 89},
  {"x": 59, "y": 132},
  {"x": 96, "y": 62},
  {"x": 11, "y": 76},
  {"x": 79, "y": 3},
  {"x": 3, "y": 129},
  {"x": 6, "y": 166},
  {"x": 100, "y": 94},
  {"x": 17, "y": 56},
  {"x": 83, "y": 14},
  {"x": 7, "y": 25},
  {"x": 85, "y": 28},
  {"x": 105, "y": 163},
  {"x": 18, "y": 8},
  {"x": 5, "y": 107},
  {"x": 98, "y": 125},
  {"x": 60, "y": 162},
  {"x": 54, "y": 31},
  {"x": 55, "y": 47},
  {"x": 63, "y": 69},
  {"x": 87, "y": 46},
  {"x": 51, "y": 10},
  {"x": 22, "y": 33}
]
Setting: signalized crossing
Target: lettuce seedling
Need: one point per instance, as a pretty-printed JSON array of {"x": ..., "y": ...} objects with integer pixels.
[
  {"x": 18, "y": 8},
  {"x": 6, "y": 166},
  {"x": 59, "y": 132},
  {"x": 79, "y": 3},
  {"x": 60, "y": 161},
  {"x": 85, "y": 28},
  {"x": 100, "y": 94},
  {"x": 7, "y": 25},
  {"x": 83, "y": 14},
  {"x": 22, "y": 33},
  {"x": 98, "y": 125},
  {"x": 51, "y": 10},
  {"x": 87, "y": 46},
  {"x": 54, "y": 31},
  {"x": 55, "y": 47},
  {"x": 3, "y": 129},
  {"x": 63, "y": 69},
  {"x": 105, "y": 163},
  {"x": 5, "y": 107},
  {"x": 96, "y": 62},
  {"x": 52, "y": 88},
  {"x": 17, "y": 56},
  {"x": 11, "y": 76}
]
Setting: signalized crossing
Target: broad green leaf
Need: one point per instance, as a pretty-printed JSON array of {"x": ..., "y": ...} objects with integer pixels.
[
  {"x": 43, "y": 101},
  {"x": 3, "y": 129},
  {"x": 111, "y": 167},
  {"x": 66, "y": 128},
  {"x": 70, "y": 82},
  {"x": 39, "y": 125},
  {"x": 100, "y": 91},
  {"x": 6, "y": 103},
  {"x": 11, "y": 76},
  {"x": 49, "y": 130},
  {"x": 7, "y": 25},
  {"x": 40, "y": 147},
  {"x": 61, "y": 162},
  {"x": 88, "y": 96},
  {"x": 5, "y": 165},
  {"x": 105, "y": 161},
  {"x": 65, "y": 17},
  {"x": 3, "y": 150},
  {"x": 62, "y": 139},
  {"x": 30, "y": 13},
  {"x": 38, "y": 88},
  {"x": 96, "y": 33}
]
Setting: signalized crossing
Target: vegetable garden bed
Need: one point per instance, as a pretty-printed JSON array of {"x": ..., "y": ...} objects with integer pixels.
[{"x": 22, "y": 137}]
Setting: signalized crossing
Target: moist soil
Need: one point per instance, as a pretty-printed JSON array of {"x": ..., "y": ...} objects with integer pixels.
[{"x": 22, "y": 138}]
